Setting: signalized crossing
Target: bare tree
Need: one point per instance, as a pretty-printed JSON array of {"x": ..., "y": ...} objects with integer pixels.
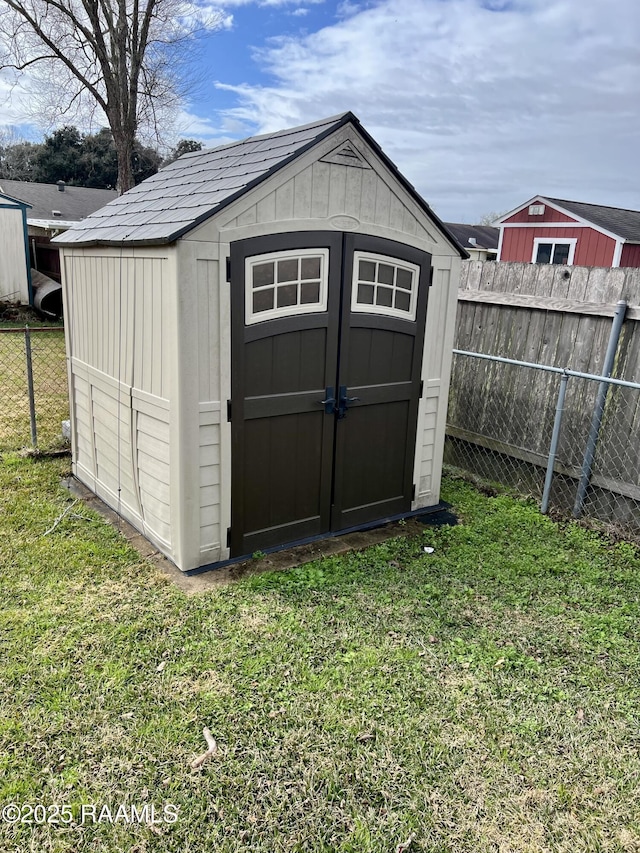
[
  {"x": 124, "y": 58},
  {"x": 490, "y": 218}
]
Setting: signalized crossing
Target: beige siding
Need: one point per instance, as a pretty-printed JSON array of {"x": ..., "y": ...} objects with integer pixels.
[
  {"x": 209, "y": 407},
  {"x": 14, "y": 284},
  {"x": 436, "y": 371},
  {"x": 331, "y": 190},
  {"x": 134, "y": 292},
  {"x": 120, "y": 331},
  {"x": 208, "y": 330},
  {"x": 210, "y": 533}
]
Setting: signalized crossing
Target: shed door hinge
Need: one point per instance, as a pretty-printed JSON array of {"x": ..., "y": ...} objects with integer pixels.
[
  {"x": 421, "y": 389},
  {"x": 430, "y": 276},
  {"x": 413, "y": 492},
  {"x": 229, "y": 410},
  {"x": 228, "y": 537},
  {"x": 228, "y": 269}
]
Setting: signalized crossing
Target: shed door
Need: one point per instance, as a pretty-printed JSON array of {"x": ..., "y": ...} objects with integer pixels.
[{"x": 327, "y": 340}]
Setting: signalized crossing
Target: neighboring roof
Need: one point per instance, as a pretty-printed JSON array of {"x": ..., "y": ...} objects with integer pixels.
[
  {"x": 4, "y": 197},
  {"x": 485, "y": 236},
  {"x": 615, "y": 220},
  {"x": 624, "y": 223},
  {"x": 74, "y": 203},
  {"x": 190, "y": 190}
]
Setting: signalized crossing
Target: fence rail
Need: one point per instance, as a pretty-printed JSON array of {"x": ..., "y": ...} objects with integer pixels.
[
  {"x": 34, "y": 396},
  {"x": 570, "y": 438}
]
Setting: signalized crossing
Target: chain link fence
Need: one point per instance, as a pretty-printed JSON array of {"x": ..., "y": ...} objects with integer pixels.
[
  {"x": 34, "y": 396},
  {"x": 569, "y": 439}
]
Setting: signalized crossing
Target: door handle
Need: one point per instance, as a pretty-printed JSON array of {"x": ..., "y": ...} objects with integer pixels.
[
  {"x": 329, "y": 403},
  {"x": 343, "y": 403}
]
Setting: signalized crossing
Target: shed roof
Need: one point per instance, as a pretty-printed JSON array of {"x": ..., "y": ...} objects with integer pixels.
[
  {"x": 190, "y": 190},
  {"x": 73, "y": 204}
]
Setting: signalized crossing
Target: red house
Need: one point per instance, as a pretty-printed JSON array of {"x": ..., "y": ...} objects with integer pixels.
[{"x": 547, "y": 230}]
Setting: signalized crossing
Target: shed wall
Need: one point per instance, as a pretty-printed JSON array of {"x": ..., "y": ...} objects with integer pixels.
[
  {"x": 14, "y": 282},
  {"x": 120, "y": 321},
  {"x": 436, "y": 372}
]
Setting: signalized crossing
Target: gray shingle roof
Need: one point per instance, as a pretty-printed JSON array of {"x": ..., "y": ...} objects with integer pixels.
[
  {"x": 193, "y": 188},
  {"x": 486, "y": 236},
  {"x": 74, "y": 203},
  {"x": 624, "y": 223}
]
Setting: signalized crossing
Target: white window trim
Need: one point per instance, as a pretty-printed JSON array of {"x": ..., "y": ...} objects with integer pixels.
[
  {"x": 385, "y": 311},
  {"x": 288, "y": 310},
  {"x": 554, "y": 242}
]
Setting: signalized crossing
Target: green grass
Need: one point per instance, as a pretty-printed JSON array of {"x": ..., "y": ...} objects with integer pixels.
[
  {"x": 50, "y": 388},
  {"x": 484, "y": 697}
]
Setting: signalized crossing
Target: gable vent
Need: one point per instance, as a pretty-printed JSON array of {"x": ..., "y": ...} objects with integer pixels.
[
  {"x": 536, "y": 209},
  {"x": 346, "y": 155}
]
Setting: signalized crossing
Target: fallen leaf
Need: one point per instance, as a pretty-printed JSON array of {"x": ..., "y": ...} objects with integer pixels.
[
  {"x": 405, "y": 845},
  {"x": 213, "y": 748},
  {"x": 365, "y": 736},
  {"x": 580, "y": 715},
  {"x": 161, "y": 666}
]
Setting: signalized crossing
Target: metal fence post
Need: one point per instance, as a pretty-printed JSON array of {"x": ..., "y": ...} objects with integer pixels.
[
  {"x": 555, "y": 438},
  {"x": 598, "y": 410},
  {"x": 32, "y": 401}
]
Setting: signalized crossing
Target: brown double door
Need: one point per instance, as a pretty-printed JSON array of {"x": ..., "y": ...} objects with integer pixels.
[{"x": 326, "y": 361}]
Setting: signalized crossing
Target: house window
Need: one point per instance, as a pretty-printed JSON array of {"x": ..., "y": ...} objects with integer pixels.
[
  {"x": 284, "y": 283},
  {"x": 383, "y": 285},
  {"x": 548, "y": 251},
  {"x": 536, "y": 209}
]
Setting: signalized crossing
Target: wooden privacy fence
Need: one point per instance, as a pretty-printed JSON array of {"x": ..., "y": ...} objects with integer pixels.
[{"x": 501, "y": 416}]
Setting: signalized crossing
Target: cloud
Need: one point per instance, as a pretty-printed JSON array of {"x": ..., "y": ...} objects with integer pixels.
[
  {"x": 481, "y": 103},
  {"x": 271, "y": 3}
]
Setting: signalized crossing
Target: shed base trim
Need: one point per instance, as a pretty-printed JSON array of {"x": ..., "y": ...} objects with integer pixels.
[{"x": 416, "y": 513}]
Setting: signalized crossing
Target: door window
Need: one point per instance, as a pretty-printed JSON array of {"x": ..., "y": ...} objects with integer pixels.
[
  {"x": 382, "y": 285},
  {"x": 280, "y": 284}
]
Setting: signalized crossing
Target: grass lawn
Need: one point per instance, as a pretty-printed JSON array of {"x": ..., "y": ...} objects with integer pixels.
[{"x": 481, "y": 698}]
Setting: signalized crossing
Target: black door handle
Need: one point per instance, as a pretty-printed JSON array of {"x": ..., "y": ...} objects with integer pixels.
[
  {"x": 329, "y": 402},
  {"x": 343, "y": 403}
]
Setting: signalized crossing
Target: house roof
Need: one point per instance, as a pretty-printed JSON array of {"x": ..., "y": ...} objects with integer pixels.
[
  {"x": 73, "y": 204},
  {"x": 485, "y": 236},
  {"x": 624, "y": 223},
  {"x": 616, "y": 221},
  {"x": 190, "y": 190}
]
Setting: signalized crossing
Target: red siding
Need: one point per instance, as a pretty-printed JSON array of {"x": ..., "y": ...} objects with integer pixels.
[
  {"x": 550, "y": 215},
  {"x": 593, "y": 249},
  {"x": 630, "y": 255}
]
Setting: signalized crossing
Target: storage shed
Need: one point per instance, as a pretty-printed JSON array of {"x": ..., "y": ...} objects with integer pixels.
[
  {"x": 15, "y": 270},
  {"x": 259, "y": 343}
]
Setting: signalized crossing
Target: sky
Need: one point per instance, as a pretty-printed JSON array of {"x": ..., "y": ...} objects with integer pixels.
[{"x": 481, "y": 104}]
